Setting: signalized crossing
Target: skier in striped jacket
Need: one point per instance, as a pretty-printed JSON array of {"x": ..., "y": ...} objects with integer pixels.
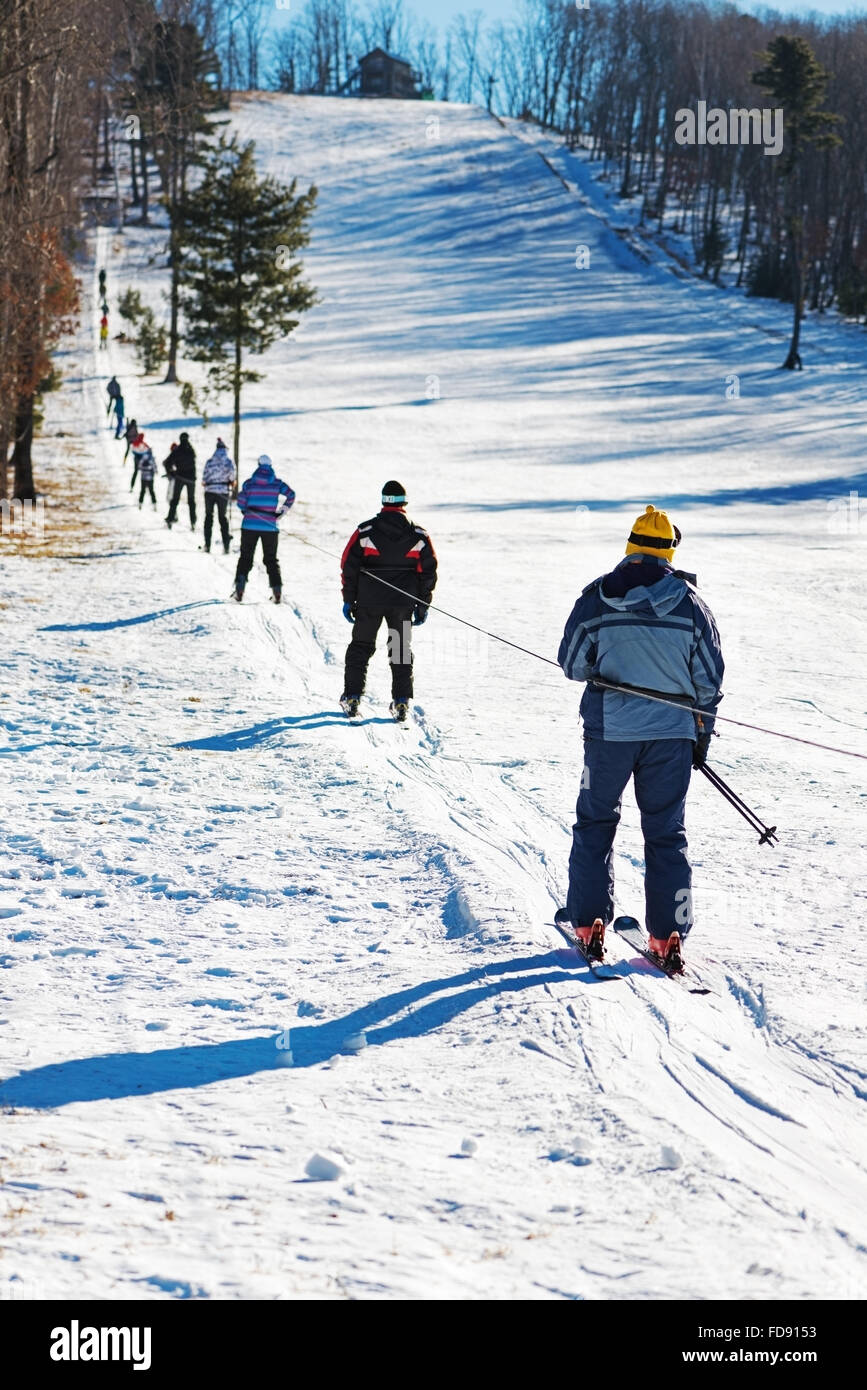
[
  {"x": 263, "y": 499},
  {"x": 147, "y": 467},
  {"x": 217, "y": 481}
]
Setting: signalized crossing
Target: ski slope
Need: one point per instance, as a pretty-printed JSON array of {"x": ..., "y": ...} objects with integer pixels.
[{"x": 281, "y": 1013}]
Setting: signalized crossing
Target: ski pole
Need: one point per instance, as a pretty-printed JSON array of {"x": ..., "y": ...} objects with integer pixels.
[{"x": 767, "y": 834}]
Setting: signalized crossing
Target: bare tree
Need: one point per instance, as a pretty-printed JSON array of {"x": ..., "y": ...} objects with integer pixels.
[
  {"x": 51, "y": 61},
  {"x": 387, "y": 26},
  {"x": 467, "y": 32}
]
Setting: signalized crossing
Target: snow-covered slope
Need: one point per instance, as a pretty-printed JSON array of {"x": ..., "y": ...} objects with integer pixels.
[{"x": 207, "y": 875}]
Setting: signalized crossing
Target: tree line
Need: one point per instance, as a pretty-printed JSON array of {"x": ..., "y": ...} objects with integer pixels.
[
  {"x": 610, "y": 76},
  {"x": 119, "y": 105},
  {"x": 95, "y": 94}
]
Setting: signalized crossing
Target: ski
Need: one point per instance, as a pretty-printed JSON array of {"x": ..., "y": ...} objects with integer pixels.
[
  {"x": 596, "y": 967},
  {"x": 634, "y": 934}
]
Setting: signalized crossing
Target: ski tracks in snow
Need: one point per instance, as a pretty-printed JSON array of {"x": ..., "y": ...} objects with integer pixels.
[{"x": 730, "y": 1082}]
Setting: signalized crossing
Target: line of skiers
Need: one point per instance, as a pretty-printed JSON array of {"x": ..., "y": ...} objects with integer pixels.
[{"x": 641, "y": 626}]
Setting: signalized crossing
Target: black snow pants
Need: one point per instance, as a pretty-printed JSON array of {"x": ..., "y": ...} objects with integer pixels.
[
  {"x": 269, "y": 541},
  {"x": 363, "y": 645},
  {"x": 179, "y": 485},
  {"x": 147, "y": 486},
  {"x": 220, "y": 502}
]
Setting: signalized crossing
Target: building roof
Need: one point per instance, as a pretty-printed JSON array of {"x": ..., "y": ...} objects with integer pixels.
[{"x": 381, "y": 53}]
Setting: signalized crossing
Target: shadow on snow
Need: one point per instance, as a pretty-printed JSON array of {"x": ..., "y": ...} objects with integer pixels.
[
  {"x": 236, "y": 740},
  {"x": 116, "y": 1075},
  {"x": 775, "y": 494},
  {"x": 128, "y": 622}
]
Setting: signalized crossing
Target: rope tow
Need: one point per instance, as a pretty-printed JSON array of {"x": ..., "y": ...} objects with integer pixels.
[{"x": 680, "y": 701}]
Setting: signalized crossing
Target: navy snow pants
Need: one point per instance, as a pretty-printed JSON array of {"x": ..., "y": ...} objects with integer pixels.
[{"x": 661, "y": 769}]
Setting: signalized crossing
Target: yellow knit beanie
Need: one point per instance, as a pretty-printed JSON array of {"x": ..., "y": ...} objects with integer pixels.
[{"x": 653, "y": 534}]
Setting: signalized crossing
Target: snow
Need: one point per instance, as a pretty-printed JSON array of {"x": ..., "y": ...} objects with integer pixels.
[{"x": 211, "y": 883}]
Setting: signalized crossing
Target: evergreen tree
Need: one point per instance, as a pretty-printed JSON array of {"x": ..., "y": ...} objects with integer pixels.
[
  {"x": 241, "y": 285},
  {"x": 796, "y": 81}
]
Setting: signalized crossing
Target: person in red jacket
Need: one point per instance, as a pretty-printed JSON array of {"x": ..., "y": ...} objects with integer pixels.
[{"x": 388, "y": 570}]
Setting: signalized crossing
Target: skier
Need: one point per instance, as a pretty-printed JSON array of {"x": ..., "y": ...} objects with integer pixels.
[
  {"x": 147, "y": 472},
  {"x": 169, "y": 471},
  {"x": 182, "y": 466},
  {"x": 103, "y": 332},
  {"x": 642, "y": 625},
  {"x": 112, "y": 391},
  {"x": 118, "y": 410},
  {"x": 139, "y": 447},
  {"x": 388, "y": 548},
  {"x": 129, "y": 434},
  {"x": 217, "y": 480},
  {"x": 263, "y": 499}
]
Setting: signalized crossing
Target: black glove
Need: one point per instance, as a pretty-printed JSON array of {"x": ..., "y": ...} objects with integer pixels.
[
  {"x": 419, "y": 614},
  {"x": 699, "y": 750}
]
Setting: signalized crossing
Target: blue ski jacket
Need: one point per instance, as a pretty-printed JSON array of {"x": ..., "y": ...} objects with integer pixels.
[{"x": 643, "y": 625}]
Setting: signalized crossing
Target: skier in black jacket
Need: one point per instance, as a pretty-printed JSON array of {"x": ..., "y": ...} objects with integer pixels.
[
  {"x": 181, "y": 467},
  {"x": 129, "y": 434},
  {"x": 389, "y": 550}
]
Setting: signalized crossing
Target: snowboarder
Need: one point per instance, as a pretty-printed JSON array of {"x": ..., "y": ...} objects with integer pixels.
[
  {"x": 112, "y": 391},
  {"x": 147, "y": 472},
  {"x": 129, "y": 434},
  {"x": 217, "y": 480},
  {"x": 263, "y": 499},
  {"x": 642, "y": 625},
  {"x": 118, "y": 410},
  {"x": 103, "y": 332},
  {"x": 181, "y": 464},
  {"x": 391, "y": 548}
]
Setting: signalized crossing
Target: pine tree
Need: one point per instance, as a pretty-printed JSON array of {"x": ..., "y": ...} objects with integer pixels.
[
  {"x": 241, "y": 285},
  {"x": 796, "y": 81}
]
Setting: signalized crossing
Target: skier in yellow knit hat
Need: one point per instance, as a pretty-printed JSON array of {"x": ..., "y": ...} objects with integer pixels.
[{"x": 643, "y": 625}]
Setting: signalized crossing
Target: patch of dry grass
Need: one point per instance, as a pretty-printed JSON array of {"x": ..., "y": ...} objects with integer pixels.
[{"x": 70, "y": 492}]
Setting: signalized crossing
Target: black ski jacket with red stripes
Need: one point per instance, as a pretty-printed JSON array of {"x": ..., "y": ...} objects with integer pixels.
[{"x": 388, "y": 547}]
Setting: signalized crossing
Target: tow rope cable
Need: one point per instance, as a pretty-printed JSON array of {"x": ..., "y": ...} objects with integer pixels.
[{"x": 677, "y": 702}]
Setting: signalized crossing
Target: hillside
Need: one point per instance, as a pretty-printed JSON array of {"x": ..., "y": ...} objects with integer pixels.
[{"x": 199, "y": 853}]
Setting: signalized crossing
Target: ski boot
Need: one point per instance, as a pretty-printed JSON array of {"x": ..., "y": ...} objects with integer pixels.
[
  {"x": 398, "y": 709},
  {"x": 238, "y": 592},
  {"x": 349, "y": 704},
  {"x": 592, "y": 938},
  {"x": 667, "y": 951},
  {"x": 276, "y": 595}
]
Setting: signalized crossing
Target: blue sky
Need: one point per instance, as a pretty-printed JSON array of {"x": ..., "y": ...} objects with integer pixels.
[{"x": 440, "y": 12}]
